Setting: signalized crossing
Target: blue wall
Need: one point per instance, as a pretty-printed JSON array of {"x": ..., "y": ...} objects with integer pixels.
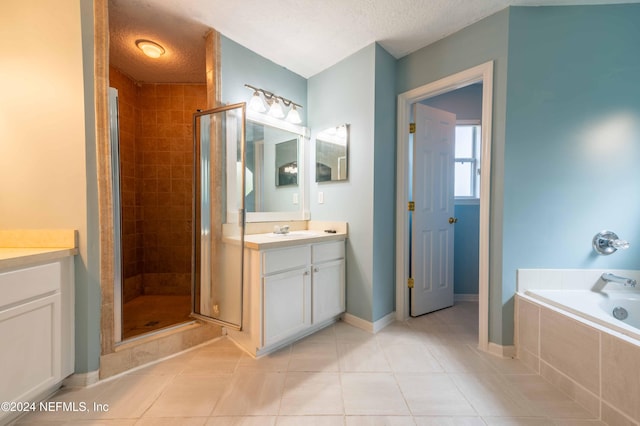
[
  {"x": 384, "y": 185},
  {"x": 573, "y": 139},
  {"x": 344, "y": 93},
  {"x": 240, "y": 66}
]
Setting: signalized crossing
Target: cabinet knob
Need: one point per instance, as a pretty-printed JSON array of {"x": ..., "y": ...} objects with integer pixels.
[
  {"x": 316, "y": 269},
  {"x": 306, "y": 273}
]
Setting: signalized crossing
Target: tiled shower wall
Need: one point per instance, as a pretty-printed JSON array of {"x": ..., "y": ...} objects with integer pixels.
[
  {"x": 159, "y": 238},
  {"x": 132, "y": 228}
]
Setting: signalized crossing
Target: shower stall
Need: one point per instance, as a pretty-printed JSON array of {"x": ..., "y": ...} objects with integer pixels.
[{"x": 177, "y": 206}]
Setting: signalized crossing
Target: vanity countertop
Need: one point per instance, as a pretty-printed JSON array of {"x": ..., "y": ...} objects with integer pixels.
[
  {"x": 20, "y": 248},
  {"x": 271, "y": 240},
  {"x": 15, "y": 257}
]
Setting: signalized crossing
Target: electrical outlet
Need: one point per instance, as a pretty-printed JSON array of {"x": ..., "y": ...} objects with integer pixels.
[
  {"x": 320, "y": 197},
  {"x": 295, "y": 198}
]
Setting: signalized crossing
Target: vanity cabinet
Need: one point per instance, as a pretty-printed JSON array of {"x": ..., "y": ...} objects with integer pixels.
[
  {"x": 36, "y": 327},
  {"x": 289, "y": 293}
]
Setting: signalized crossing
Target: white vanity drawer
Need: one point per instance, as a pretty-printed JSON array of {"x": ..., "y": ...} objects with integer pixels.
[
  {"x": 26, "y": 283},
  {"x": 285, "y": 259},
  {"x": 323, "y": 252}
]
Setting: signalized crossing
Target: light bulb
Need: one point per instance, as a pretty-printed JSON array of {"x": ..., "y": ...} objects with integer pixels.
[
  {"x": 149, "y": 48},
  {"x": 256, "y": 103},
  {"x": 294, "y": 116},
  {"x": 276, "y": 109}
]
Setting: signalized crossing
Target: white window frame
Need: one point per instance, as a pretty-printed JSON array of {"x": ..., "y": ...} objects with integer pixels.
[{"x": 476, "y": 160}]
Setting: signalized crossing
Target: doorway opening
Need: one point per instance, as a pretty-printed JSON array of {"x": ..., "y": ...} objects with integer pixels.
[{"x": 480, "y": 74}]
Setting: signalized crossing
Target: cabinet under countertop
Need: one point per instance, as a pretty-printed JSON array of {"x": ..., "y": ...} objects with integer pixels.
[{"x": 291, "y": 289}]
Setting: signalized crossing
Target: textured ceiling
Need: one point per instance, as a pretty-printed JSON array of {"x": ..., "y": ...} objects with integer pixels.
[{"x": 305, "y": 36}]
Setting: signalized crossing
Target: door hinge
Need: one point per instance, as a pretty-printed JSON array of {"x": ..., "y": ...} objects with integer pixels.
[
  {"x": 412, "y": 127},
  {"x": 411, "y": 206},
  {"x": 410, "y": 282}
]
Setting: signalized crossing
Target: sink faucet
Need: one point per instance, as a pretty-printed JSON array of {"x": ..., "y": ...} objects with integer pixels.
[{"x": 610, "y": 278}]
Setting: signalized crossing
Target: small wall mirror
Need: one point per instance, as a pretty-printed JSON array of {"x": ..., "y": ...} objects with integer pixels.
[{"x": 332, "y": 150}]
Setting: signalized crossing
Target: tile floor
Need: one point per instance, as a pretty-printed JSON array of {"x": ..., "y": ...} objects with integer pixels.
[{"x": 425, "y": 371}]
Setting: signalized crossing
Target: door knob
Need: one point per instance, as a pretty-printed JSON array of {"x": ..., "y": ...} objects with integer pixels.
[{"x": 453, "y": 220}]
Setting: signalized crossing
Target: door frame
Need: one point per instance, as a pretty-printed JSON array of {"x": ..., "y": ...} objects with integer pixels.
[{"x": 482, "y": 73}]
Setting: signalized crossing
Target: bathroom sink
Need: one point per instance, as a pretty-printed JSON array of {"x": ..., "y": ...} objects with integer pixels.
[{"x": 297, "y": 234}]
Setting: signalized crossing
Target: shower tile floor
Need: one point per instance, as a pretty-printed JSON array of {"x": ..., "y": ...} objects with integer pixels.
[
  {"x": 153, "y": 312},
  {"x": 425, "y": 371}
]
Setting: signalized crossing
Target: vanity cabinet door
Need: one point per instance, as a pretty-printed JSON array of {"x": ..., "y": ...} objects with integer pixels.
[
  {"x": 328, "y": 290},
  {"x": 287, "y": 304}
]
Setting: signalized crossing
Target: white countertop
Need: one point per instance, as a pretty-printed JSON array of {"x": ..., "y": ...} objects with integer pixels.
[
  {"x": 271, "y": 240},
  {"x": 12, "y": 257}
]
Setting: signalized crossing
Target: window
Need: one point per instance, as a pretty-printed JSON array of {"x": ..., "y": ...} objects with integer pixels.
[{"x": 467, "y": 161}]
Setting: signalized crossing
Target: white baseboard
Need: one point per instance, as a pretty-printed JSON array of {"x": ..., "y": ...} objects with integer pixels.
[
  {"x": 502, "y": 351},
  {"x": 371, "y": 327},
  {"x": 81, "y": 380},
  {"x": 462, "y": 297}
]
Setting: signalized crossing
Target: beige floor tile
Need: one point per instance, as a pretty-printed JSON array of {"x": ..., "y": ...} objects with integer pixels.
[
  {"x": 312, "y": 394},
  {"x": 397, "y": 333},
  {"x": 212, "y": 362},
  {"x": 190, "y": 396},
  {"x": 242, "y": 421},
  {"x": 433, "y": 394},
  {"x": 130, "y": 396},
  {"x": 405, "y": 358},
  {"x": 348, "y": 333},
  {"x": 505, "y": 365},
  {"x": 379, "y": 421},
  {"x": 94, "y": 422},
  {"x": 517, "y": 421},
  {"x": 252, "y": 393},
  {"x": 310, "y": 421},
  {"x": 448, "y": 421},
  {"x": 314, "y": 356},
  {"x": 490, "y": 395},
  {"x": 573, "y": 422},
  {"x": 372, "y": 394},
  {"x": 172, "y": 421},
  {"x": 362, "y": 356},
  {"x": 275, "y": 362},
  {"x": 459, "y": 359}
]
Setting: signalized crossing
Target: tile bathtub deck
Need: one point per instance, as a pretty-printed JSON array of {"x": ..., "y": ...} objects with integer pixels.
[{"x": 425, "y": 371}]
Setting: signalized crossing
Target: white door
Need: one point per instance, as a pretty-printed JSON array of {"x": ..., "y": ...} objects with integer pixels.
[{"x": 432, "y": 233}]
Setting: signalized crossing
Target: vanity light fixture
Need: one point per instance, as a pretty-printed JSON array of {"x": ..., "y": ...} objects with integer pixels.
[
  {"x": 276, "y": 103},
  {"x": 150, "y": 48},
  {"x": 256, "y": 102}
]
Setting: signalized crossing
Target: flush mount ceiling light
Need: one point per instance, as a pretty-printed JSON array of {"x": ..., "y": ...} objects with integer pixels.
[
  {"x": 277, "y": 104},
  {"x": 150, "y": 48}
]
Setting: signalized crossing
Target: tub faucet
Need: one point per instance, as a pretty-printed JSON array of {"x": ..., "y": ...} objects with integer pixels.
[{"x": 610, "y": 278}]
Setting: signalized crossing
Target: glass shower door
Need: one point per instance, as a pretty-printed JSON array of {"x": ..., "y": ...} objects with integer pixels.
[{"x": 219, "y": 136}]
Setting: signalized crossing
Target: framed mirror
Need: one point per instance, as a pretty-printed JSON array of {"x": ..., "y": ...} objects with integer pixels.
[
  {"x": 275, "y": 187},
  {"x": 332, "y": 154}
]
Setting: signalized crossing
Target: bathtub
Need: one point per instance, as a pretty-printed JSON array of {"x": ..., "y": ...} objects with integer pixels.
[
  {"x": 566, "y": 332},
  {"x": 597, "y": 307}
]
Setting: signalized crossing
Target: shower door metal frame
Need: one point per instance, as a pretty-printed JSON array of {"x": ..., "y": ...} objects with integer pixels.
[{"x": 196, "y": 260}]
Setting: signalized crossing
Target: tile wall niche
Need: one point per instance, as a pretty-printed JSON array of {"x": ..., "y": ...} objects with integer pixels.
[
  {"x": 597, "y": 369},
  {"x": 156, "y": 149}
]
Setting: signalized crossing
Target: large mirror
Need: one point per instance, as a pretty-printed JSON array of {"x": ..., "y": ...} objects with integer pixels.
[
  {"x": 274, "y": 172},
  {"x": 332, "y": 149}
]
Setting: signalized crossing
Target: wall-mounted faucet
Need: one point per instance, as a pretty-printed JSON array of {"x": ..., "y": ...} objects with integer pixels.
[
  {"x": 608, "y": 277},
  {"x": 607, "y": 242}
]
